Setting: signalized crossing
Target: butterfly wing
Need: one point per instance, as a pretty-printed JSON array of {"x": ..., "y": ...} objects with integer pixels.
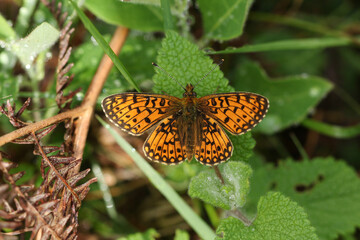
[
  {"x": 163, "y": 144},
  {"x": 238, "y": 112},
  {"x": 137, "y": 112},
  {"x": 215, "y": 146}
]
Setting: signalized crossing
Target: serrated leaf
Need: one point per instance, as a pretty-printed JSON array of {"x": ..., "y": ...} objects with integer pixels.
[
  {"x": 278, "y": 218},
  {"x": 291, "y": 98},
  {"x": 328, "y": 190},
  {"x": 149, "y": 234},
  {"x": 224, "y": 20},
  {"x": 39, "y": 40},
  {"x": 181, "y": 235},
  {"x": 231, "y": 195},
  {"x": 140, "y": 16},
  {"x": 186, "y": 63},
  {"x": 243, "y": 146}
]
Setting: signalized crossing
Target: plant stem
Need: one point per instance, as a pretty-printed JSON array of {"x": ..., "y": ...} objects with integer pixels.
[
  {"x": 218, "y": 173},
  {"x": 241, "y": 216},
  {"x": 299, "y": 146}
]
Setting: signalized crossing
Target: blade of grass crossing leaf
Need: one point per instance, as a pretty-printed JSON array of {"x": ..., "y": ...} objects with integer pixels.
[
  {"x": 332, "y": 130},
  {"x": 168, "y": 22},
  {"x": 298, "y": 44},
  {"x": 104, "y": 45},
  {"x": 199, "y": 226}
]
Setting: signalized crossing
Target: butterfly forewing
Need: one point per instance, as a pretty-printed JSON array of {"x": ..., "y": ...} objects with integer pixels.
[
  {"x": 186, "y": 127},
  {"x": 215, "y": 146},
  {"x": 238, "y": 112},
  {"x": 163, "y": 144},
  {"x": 137, "y": 112}
]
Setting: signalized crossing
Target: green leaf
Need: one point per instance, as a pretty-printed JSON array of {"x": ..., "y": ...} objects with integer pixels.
[
  {"x": 6, "y": 31},
  {"x": 9, "y": 87},
  {"x": 104, "y": 45},
  {"x": 149, "y": 234},
  {"x": 199, "y": 226},
  {"x": 168, "y": 20},
  {"x": 277, "y": 218},
  {"x": 293, "y": 44},
  {"x": 144, "y": 17},
  {"x": 328, "y": 190},
  {"x": 24, "y": 18},
  {"x": 332, "y": 130},
  {"x": 181, "y": 235},
  {"x": 187, "y": 64},
  {"x": 243, "y": 146},
  {"x": 88, "y": 55},
  {"x": 39, "y": 40},
  {"x": 224, "y": 20},
  {"x": 231, "y": 195},
  {"x": 179, "y": 176},
  {"x": 312, "y": 61},
  {"x": 291, "y": 98}
]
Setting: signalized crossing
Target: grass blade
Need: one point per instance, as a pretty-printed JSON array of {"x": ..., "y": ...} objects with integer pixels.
[
  {"x": 293, "y": 44},
  {"x": 332, "y": 130}
]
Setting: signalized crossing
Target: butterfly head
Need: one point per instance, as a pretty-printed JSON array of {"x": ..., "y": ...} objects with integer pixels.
[{"x": 189, "y": 91}]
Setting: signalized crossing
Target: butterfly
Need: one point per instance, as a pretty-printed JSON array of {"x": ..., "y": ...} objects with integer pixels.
[{"x": 183, "y": 128}]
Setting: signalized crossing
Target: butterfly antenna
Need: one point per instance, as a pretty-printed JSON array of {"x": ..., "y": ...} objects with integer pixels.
[
  {"x": 155, "y": 65},
  {"x": 219, "y": 63}
]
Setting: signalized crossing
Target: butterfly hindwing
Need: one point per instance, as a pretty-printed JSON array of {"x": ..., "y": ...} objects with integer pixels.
[
  {"x": 163, "y": 144},
  {"x": 137, "y": 112},
  {"x": 238, "y": 112},
  {"x": 215, "y": 146}
]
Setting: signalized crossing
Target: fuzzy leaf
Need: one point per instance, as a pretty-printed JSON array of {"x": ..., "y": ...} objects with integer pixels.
[
  {"x": 243, "y": 146},
  {"x": 39, "y": 40},
  {"x": 231, "y": 195},
  {"x": 328, "y": 190},
  {"x": 224, "y": 20},
  {"x": 186, "y": 63},
  {"x": 144, "y": 17},
  {"x": 277, "y": 218},
  {"x": 149, "y": 234},
  {"x": 291, "y": 98}
]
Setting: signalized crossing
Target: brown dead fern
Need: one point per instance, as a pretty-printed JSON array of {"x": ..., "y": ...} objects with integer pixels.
[{"x": 50, "y": 211}]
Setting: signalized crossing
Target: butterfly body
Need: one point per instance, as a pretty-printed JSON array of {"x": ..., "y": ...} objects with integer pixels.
[{"x": 187, "y": 127}]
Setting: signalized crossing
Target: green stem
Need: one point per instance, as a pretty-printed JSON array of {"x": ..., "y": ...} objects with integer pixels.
[
  {"x": 212, "y": 214},
  {"x": 299, "y": 146},
  {"x": 332, "y": 130}
]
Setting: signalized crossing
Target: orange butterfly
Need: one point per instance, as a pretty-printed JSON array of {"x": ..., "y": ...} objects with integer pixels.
[{"x": 186, "y": 127}]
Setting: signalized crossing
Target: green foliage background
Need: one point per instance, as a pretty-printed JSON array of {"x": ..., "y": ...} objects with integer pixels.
[{"x": 300, "y": 181}]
